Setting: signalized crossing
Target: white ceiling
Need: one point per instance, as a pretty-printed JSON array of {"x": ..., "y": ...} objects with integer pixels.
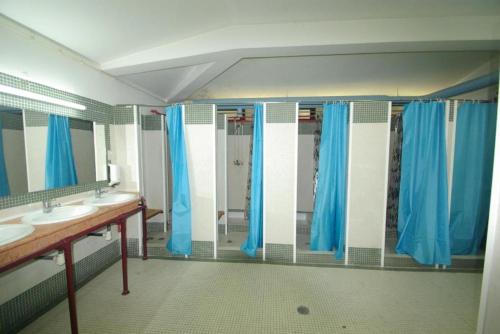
[
  {"x": 410, "y": 74},
  {"x": 105, "y": 30},
  {"x": 176, "y": 49}
]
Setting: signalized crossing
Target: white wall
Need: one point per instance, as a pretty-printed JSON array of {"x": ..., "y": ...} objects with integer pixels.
[
  {"x": 221, "y": 169},
  {"x": 30, "y": 56},
  {"x": 489, "y": 305},
  {"x": 367, "y": 184},
  {"x": 305, "y": 175},
  {"x": 238, "y": 147},
  {"x": 15, "y": 160},
  {"x": 35, "y": 138},
  {"x": 200, "y": 142},
  {"x": 153, "y": 170},
  {"x": 101, "y": 158},
  {"x": 280, "y": 163}
]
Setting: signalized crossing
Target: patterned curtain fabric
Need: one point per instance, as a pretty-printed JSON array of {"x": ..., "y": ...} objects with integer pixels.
[
  {"x": 394, "y": 171},
  {"x": 317, "y": 141}
]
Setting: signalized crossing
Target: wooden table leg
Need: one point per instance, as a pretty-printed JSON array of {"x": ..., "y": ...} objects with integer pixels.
[
  {"x": 144, "y": 234},
  {"x": 123, "y": 224},
  {"x": 70, "y": 284}
]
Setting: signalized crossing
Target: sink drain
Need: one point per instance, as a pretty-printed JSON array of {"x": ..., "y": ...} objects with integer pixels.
[{"x": 303, "y": 310}]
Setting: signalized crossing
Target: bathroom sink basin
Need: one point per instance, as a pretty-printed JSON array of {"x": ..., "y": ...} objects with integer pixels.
[
  {"x": 110, "y": 199},
  {"x": 13, "y": 232},
  {"x": 59, "y": 214}
]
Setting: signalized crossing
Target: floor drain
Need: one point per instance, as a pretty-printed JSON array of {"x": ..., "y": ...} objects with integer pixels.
[
  {"x": 150, "y": 238},
  {"x": 303, "y": 310},
  {"x": 162, "y": 238},
  {"x": 308, "y": 243},
  {"x": 229, "y": 241}
]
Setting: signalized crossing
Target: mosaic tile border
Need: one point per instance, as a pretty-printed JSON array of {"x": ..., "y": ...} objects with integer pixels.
[
  {"x": 39, "y": 196},
  {"x": 18, "y": 312},
  {"x": 370, "y": 112},
  {"x": 36, "y": 119},
  {"x": 322, "y": 258},
  {"x": 11, "y": 121},
  {"x": 365, "y": 256},
  {"x": 220, "y": 122},
  {"x": 198, "y": 113},
  {"x": 281, "y": 112},
  {"x": 200, "y": 250},
  {"x": 279, "y": 253},
  {"x": 151, "y": 122},
  {"x": 123, "y": 114},
  {"x": 96, "y": 111},
  {"x": 451, "y": 115}
]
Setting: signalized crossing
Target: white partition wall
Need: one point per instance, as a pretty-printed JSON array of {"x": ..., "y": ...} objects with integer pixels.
[
  {"x": 153, "y": 153},
  {"x": 451, "y": 117},
  {"x": 369, "y": 130},
  {"x": 222, "y": 169},
  {"x": 280, "y": 181},
  {"x": 200, "y": 138}
]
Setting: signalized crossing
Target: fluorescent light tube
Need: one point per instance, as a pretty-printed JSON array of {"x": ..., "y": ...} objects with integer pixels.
[{"x": 39, "y": 97}]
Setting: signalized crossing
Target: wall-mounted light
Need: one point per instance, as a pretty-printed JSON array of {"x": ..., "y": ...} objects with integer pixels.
[{"x": 39, "y": 97}]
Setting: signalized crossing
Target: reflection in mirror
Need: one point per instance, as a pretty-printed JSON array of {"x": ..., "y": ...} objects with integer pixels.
[
  {"x": 12, "y": 154},
  {"x": 101, "y": 164},
  {"x": 60, "y": 151}
]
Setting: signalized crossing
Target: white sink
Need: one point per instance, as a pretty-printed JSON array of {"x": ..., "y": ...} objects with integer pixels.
[
  {"x": 59, "y": 214},
  {"x": 110, "y": 199},
  {"x": 13, "y": 232}
]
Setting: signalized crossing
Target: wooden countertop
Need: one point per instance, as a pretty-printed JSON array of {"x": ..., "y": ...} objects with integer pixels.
[{"x": 46, "y": 235}]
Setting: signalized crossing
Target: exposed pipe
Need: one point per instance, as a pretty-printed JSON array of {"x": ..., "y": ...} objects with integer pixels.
[{"x": 466, "y": 86}]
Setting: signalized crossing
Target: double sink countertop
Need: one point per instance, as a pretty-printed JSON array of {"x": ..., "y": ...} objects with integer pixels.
[{"x": 50, "y": 234}]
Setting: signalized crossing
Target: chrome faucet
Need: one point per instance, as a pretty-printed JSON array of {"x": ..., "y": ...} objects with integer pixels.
[
  {"x": 48, "y": 205},
  {"x": 99, "y": 192}
]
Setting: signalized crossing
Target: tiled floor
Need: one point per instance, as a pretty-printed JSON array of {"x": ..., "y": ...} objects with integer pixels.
[{"x": 208, "y": 297}]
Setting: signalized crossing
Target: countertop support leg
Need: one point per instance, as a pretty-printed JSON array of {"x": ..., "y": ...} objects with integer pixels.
[
  {"x": 144, "y": 232},
  {"x": 123, "y": 229},
  {"x": 70, "y": 284}
]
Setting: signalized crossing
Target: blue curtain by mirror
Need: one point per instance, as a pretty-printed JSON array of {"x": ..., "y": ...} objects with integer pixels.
[
  {"x": 60, "y": 170},
  {"x": 4, "y": 181},
  {"x": 472, "y": 173},
  {"x": 328, "y": 221},
  {"x": 255, "y": 215},
  {"x": 423, "y": 230},
  {"x": 180, "y": 240}
]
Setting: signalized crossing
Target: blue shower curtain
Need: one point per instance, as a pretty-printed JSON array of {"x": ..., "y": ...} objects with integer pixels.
[
  {"x": 255, "y": 215},
  {"x": 472, "y": 173},
  {"x": 180, "y": 240},
  {"x": 4, "y": 181},
  {"x": 328, "y": 221},
  {"x": 60, "y": 170},
  {"x": 423, "y": 230}
]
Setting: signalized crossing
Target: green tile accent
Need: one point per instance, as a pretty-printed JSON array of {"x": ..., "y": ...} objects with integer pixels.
[
  {"x": 451, "y": 116},
  {"x": 220, "y": 122},
  {"x": 365, "y": 256},
  {"x": 38, "y": 196},
  {"x": 279, "y": 253},
  {"x": 29, "y": 305},
  {"x": 96, "y": 111},
  {"x": 123, "y": 115},
  {"x": 35, "y": 118},
  {"x": 199, "y": 113},
  {"x": 75, "y": 123},
  {"x": 11, "y": 120},
  {"x": 281, "y": 112},
  {"x": 154, "y": 227},
  {"x": 233, "y": 228},
  {"x": 321, "y": 258},
  {"x": 201, "y": 249},
  {"x": 151, "y": 122},
  {"x": 370, "y": 112}
]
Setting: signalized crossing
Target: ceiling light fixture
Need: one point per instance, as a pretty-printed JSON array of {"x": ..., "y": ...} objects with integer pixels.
[{"x": 39, "y": 97}]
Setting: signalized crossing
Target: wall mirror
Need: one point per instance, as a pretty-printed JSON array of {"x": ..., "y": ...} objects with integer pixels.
[
  {"x": 63, "y": 151},
  {"x": 13, "y": 176}
]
